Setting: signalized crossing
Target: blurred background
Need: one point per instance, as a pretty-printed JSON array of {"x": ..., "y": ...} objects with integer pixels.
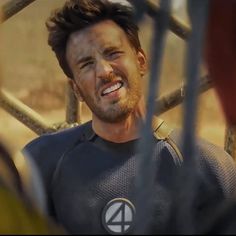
[{"x": 31, "y": 73}]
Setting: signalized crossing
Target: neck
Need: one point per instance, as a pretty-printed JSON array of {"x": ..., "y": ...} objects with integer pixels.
[{"x": 122, "y": 131}]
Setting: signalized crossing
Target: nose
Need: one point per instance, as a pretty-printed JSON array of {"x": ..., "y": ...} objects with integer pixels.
[{"x": 103, "y": 69}]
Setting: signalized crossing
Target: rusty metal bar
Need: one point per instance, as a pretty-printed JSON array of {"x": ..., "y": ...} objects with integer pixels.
[
  {"x": 24, "y": 114},
  {"x": 177, "y": 96},
  {"x": 230, "y": 141},
  {"x": 72, "y": 111},
  {"x": 12, "y": 7},
  {"x": 177, "y": 27}
]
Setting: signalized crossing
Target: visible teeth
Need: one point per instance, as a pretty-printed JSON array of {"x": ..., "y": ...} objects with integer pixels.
[{"x": 112, "y": 88}]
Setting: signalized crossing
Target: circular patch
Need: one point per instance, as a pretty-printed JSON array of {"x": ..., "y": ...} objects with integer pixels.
[{"x": 118, "y": 216}]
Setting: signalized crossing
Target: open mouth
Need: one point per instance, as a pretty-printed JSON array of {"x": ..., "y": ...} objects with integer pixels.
[{"x": 112, "y": 88}]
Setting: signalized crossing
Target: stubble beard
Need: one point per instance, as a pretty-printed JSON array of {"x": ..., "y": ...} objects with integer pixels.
[{"x": 118, "y": 110}]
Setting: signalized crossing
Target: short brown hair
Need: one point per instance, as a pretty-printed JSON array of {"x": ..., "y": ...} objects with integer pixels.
[{"x": 79, "y": 14}]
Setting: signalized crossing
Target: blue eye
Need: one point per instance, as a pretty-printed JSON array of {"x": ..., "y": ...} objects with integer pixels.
[
  {"x": 86, "y": 64},
  {"x": 114, "y": 54}
]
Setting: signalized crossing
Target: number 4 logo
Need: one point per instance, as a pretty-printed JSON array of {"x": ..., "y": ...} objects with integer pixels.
[{"x": 118, "y": 216}]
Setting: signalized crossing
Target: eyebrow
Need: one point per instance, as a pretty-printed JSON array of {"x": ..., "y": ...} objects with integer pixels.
[
  {"x": 110, "y": 49},
  {"x": 83, "y": 59},
  {"x": 88, "y": 58}
]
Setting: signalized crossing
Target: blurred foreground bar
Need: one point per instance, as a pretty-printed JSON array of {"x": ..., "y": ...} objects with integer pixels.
[{"x": 177, "y": 27}]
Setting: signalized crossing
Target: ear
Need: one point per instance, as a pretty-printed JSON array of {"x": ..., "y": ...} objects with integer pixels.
[
  {"x": 142, "y": 62},
  {"x": 75, "y": 89}
]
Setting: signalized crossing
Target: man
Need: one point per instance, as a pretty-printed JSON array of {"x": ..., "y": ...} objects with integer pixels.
[{"x": 89, "y": 170}]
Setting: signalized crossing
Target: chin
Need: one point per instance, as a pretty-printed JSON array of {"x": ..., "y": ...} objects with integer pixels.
[{"x": 114, "y": 116}]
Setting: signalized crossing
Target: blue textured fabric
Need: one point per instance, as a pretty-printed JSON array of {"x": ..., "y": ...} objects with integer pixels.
[{"x": 82, "y": 173}]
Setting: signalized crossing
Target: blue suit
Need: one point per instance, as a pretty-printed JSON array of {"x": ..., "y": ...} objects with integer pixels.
[{"x": 83, "y": 172}]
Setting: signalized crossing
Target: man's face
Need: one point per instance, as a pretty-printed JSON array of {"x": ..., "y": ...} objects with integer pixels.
[{"x": 107, "y": 70}]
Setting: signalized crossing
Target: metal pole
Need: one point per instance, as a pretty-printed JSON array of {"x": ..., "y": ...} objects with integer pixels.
[
  {"x": 230, "y": 141},
  {"x": 145, "y": 169},
  {"x": 12, "y": 7},
  {"x": 177, "y": 96},
  {"x": 198, "y": 16},
  {"x": 72, "y": 111},
  {"x": 177, "y": 27},
  {"x": 24, "y": 114}
]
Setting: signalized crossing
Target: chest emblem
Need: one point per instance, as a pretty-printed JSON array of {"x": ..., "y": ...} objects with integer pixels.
[{"x": 118, "y": 216}]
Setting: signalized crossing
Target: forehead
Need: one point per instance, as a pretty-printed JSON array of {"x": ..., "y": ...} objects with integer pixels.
[{"x": 103, "y": 34}]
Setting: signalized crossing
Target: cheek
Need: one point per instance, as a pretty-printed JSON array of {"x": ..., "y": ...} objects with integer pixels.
[
  {"x": 87, "y": 86},
  {"x": 84, "y": 87},
  {"x": 129, "y": 67},
  {"x": 85, "y": 80}
]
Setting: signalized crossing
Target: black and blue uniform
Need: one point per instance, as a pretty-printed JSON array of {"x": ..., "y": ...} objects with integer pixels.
[{"x": 83, "y": 172}]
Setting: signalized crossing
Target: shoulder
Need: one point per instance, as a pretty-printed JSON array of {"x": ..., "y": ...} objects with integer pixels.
[
  {"x": 214, "y": 162},
  {"x": 219, "y": 164},
  {"x": 47, "y": 149},
  {"x": 54, "y": 142}
]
